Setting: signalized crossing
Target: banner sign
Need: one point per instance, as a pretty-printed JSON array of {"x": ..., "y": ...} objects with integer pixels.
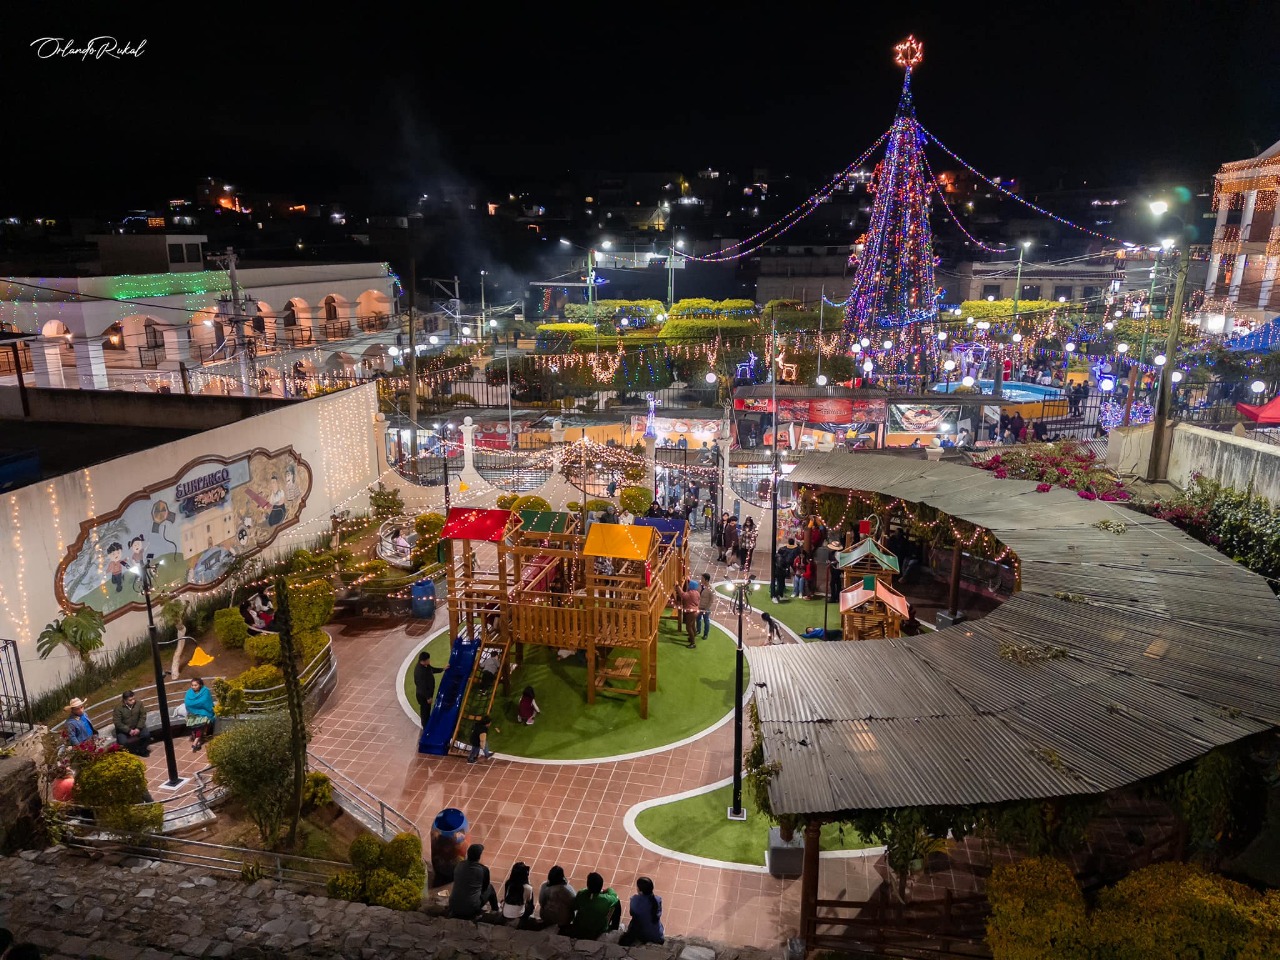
[
  {"x": 915, "y": 418},
  {"x": 819, "y": 410},
  {"x": 708, "y": 428},
  {"x": 196, "y": 523}
]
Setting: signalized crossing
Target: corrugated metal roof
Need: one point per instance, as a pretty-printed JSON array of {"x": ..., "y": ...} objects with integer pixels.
[{"x": 1173, "y": 650}]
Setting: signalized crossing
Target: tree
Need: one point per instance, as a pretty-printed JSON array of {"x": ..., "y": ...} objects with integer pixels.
[
  {"x": 293, "y": 698},
  {"x": 80, "y": 632},
  {"x": 254, "y": 761}
]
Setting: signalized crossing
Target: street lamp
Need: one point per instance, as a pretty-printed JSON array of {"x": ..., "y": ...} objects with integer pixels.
[
  {"x": 949, "y": 366},
  {"x": 997, "y": 389},
  {"x": 1257, "y": 386},
  {"x": 148, "y": 572},
  {"x": 740, "y": 588},
  {"x": 671, "y": 269},
  {"x": 444, "y": 461}
]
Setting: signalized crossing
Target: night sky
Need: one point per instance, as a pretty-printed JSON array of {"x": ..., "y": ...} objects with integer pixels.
[{"x": 365, "y": 107}]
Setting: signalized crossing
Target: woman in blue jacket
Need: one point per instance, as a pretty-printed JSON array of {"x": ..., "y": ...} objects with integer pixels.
[{"x": 199, "y": 702}]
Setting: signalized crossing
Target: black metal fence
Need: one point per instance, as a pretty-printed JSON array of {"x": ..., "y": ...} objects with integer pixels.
[{"x": 15, "y": 708}]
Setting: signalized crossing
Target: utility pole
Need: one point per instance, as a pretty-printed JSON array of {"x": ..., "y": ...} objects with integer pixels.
[
  {"x": 413, "y": 357},
  {"x": 1159, "y": 463},
  {"x": 822, "y": 298},
  {"x": 996, "y": 388},
  {"x": 591, "y": 287},
  {"x": 671, "y": 273},
  {"x": 773, "y": 497}
]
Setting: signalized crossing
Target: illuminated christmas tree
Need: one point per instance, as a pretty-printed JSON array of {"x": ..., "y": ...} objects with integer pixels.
[{"x": 893, "y": 297}]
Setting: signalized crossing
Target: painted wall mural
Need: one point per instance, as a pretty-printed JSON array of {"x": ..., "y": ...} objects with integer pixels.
[{"x": 197, "y": 523}]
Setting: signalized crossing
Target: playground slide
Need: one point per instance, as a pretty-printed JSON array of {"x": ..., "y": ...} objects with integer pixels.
[{"x": 437, "y": 736}]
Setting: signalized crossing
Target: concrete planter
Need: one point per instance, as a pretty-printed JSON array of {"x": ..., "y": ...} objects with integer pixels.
[{"x": 784, "y": 858}]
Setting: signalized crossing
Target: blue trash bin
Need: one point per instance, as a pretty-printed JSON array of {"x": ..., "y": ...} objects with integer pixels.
[
  {"x": 449, "y": 842},
  {"x": 422, "y": 603}
]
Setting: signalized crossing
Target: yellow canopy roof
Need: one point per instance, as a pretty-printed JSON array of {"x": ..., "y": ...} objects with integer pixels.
[{"x": 626, "y": 541}]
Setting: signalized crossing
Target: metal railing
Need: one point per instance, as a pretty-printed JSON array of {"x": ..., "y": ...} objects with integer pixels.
[
  {"x": 370, "y": 811},
  {"x": 219, "y": 858},
  {"x": 314, "y": 675}
]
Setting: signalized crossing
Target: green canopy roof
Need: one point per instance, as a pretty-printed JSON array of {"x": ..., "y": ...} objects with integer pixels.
[
  {"x": 868, "y": 547},
  {"x": 544, "y": 521}
]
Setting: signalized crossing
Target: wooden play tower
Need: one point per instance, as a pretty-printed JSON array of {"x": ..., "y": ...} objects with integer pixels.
[{"x": 533, "y": 578}]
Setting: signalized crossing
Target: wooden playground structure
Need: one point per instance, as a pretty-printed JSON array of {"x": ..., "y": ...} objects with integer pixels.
[
  {"x": 602, "y": 595},
  {"x": 870, "y": 609}
]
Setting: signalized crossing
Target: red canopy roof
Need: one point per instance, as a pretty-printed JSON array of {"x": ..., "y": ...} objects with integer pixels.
[
  {"x": 1268, "y": 413},
  {"x": 468, "y": 524}
]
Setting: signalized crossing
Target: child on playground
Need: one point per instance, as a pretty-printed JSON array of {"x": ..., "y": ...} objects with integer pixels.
[
  {"x": 528, "y": 708},
  {"x": 480, "y": 739}
]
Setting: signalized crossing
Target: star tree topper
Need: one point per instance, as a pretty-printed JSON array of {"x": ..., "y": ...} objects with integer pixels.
[{"x": 908, "y": 53}]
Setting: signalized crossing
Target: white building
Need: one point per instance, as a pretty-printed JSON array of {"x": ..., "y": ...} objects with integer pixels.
[
  {"x": 1245, "y": 256},
  {"x": 147, "y": 321}
]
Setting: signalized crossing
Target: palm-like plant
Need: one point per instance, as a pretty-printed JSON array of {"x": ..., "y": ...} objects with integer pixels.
[{"x": 80, "y": 632}]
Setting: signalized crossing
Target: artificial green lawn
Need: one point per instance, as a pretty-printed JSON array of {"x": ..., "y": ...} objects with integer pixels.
[
  {"x": 698, "y": 826},
  {"x": 799, "y": 615},
  {"x": 695, "y": 690}
]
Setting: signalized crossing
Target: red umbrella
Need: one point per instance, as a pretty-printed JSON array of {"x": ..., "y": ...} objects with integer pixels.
[{"x": 1267, "y": 414}]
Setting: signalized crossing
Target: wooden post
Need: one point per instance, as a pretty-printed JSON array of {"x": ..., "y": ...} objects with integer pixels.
[
  {"x": 644, "y": 680},
  {"x": 591, "y": 668},
  {"x": 809, "y": 882},
  {"x": 953, "y": 601}
]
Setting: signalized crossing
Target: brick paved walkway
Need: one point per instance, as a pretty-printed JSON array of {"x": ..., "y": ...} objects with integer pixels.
[{"x": 566, "y": 814}]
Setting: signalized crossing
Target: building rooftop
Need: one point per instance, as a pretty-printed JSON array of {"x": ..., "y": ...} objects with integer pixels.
[{"x": 66, "y": 447}]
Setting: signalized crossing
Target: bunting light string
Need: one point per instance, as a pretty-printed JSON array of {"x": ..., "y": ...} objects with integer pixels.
[
  {"x": 951, "y": 213},
  {"x": 1009, "y": 193},
  {"x": 794, "y": 216}
]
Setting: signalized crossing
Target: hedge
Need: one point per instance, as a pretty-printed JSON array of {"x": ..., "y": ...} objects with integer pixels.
[
  {"x": 636, "y": 500},
  {"x": 230, "y": 628},
  {"x": 700, "y": 307},
  {"x": 1037, "y": 912},
  {"x": 386, "y": 874},
  {"x": 1165, "y": 910},
  {"x": 530, "y": 502},
  {"x": 703, "y": 330}
]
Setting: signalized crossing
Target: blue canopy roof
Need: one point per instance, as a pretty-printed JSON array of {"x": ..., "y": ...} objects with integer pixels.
[
  {"x": 669, "y": 530},
  {"x": 1263, "y": 340}
]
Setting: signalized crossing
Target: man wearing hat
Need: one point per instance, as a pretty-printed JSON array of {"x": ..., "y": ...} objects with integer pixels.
[
  {"x": 79, "y": 727},
  {"x": 471, "y": 887}
]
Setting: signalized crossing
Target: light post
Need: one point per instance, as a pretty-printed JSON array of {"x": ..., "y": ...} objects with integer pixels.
[
  {"x": 441, "y": 438},
  {"x": 773, "y": 487},
  {"x": 996, "y": 388},
  {"x": 948, "y": 366},
  {"x": 162, "y": 699},
  {"x": 1158, "y": 464},
  {"x": 671, "y": 269},
  {"x": 740, "y": 588}
]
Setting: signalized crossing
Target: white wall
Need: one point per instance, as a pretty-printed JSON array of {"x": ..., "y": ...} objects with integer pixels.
[
  {"x": 335, "y": 434},
  {"x": 1237, "y": 462}
]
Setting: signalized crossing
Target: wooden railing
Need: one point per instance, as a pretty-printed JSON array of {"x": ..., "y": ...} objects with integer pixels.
[{"x": 949, "y": 927}]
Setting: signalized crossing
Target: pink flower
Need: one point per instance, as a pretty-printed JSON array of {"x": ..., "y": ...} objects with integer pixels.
[
  {"x": 1088, "y": 495},
  {"x": 1043, "y": 487},
  {"x": 1109, "y": 497},
  {"x": 1002, "y": 473}
]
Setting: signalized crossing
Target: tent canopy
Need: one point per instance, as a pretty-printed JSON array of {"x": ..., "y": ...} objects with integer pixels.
[
  {"x": 624, "y": 541},
  {"x": 1263, "y": 340},
  {"x": 1267, "y": 414},
  {"x": 467, "y": 524}
]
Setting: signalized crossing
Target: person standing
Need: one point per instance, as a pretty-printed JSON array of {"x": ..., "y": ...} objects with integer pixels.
[
  {"x": 706, "y": 599},
  {"x": 747, "y": 545},
  {"x": 130, "y": 722},
  {"x": 782, "y": 570},
  {"x": 688, "y": 599},
  {"x": 424, "y": 686},
  {"x": 480, "y": 739},
  {"x": 821, "y": 569},
  {"x": 729, "y": 542}
]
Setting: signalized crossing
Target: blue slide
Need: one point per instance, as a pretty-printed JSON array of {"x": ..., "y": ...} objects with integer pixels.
[{"x": 438, "y": 735}]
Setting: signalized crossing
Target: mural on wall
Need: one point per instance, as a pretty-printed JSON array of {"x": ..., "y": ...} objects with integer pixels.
[{"x": 197, "y": 523}]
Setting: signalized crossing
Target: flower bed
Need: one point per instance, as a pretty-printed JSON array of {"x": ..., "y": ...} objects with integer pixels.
[{"x": 1063, "y": 464}]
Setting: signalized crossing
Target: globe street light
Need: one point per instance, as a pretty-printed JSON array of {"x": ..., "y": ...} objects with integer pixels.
[
  {"x": 1160, "y": 359},
  {"x": 967, "y": 381},
  {"x": 822, "y": 380},
  {"x": 1257, "y": 386},
  {"x": 948, "y": 366}
]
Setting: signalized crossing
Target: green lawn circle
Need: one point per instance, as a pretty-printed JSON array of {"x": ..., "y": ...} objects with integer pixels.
[
  {"x": 699, "y": 826},
  {"x": 695, "y": 692}
]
